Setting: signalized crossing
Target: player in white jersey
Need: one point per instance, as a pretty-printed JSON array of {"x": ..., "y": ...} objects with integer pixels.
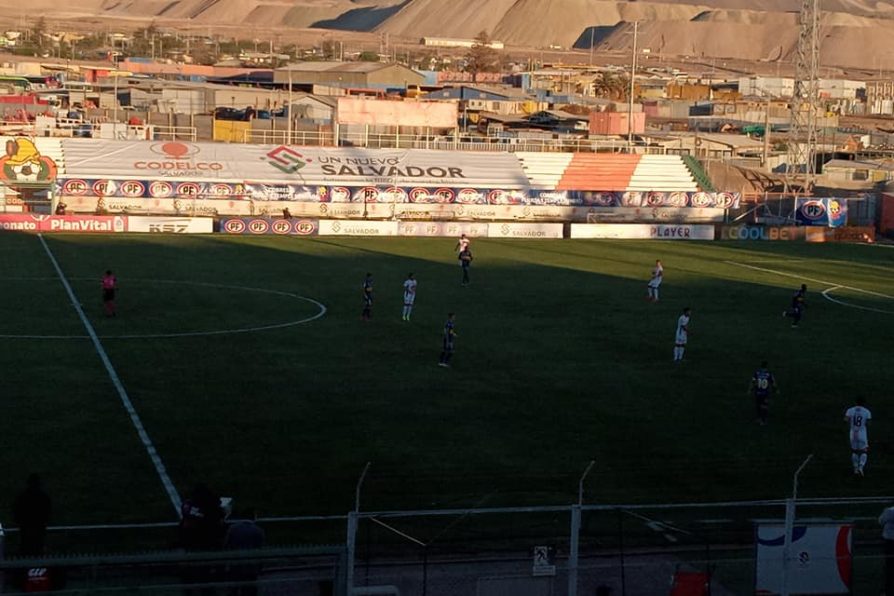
[
  {"x": 409, "y": 296},
  {"x": 655, "y": 281},
  {"x": 682, "y": 335},
  {"x": 858, "y": 418},
  {"x": 462, "y": 244}
]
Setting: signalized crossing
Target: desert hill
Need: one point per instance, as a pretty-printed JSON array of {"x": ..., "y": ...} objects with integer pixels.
[{"x": 855, "y": 33}]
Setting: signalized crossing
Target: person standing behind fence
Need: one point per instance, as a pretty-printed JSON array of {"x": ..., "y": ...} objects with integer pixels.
[
  {"x": 244, "y": 534},
  {"x": 449, "y": 341},
  {"x": 886, "y": 520},
  {"x": 32, "y": 510},
  {"x": 109, "y": 288}
]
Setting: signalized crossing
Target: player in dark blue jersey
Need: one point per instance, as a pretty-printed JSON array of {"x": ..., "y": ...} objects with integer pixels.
[
  {"x": 465, "y": 261},
  {"x": 762, "y": 384},
  {"x": 449, "y": 341},
  {"x": 799, "y": 303},
  {"x": 367, "y": 297}
]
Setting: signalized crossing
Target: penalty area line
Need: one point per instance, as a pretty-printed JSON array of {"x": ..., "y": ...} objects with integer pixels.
[
  {"x": 828, "y": 291},
  {"x": 173, "y": 495},
  {"x": 811, "y": 279}
]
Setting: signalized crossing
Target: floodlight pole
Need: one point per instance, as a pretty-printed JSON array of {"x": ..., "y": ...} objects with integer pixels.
[
  {"x": 574, "y": 547},
  {"x": 790, "y": 526},
  {"x": 632, "y": 82},
  {"x": 351, "y": 545}
]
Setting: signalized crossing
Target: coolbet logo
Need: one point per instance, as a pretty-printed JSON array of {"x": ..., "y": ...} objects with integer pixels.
[
  {"x": 286, "y": 160},
  {"x": 24, "y": 163},
  {"x": 178, "y": 158}
]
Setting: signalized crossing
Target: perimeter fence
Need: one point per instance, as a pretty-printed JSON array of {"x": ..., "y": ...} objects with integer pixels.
[{"x": 618, "y": 549}]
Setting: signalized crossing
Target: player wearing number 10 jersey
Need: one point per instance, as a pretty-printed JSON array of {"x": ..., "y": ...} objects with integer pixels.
[
  {"x": 858, "y": 418},
  {"x": 762, "y": 383}
]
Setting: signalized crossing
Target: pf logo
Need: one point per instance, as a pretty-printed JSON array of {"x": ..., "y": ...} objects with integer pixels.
[
  {"x": 74, "y": 187},
  {"x": 174, "y": 149},
  {"x": 234, "y": 226},
  {"x": 305, "y": 227},
  {"x": 813, "y": 209},
  {"x": 281, "y": 226},
  {"x": 258, "y": 226},
  {"x": 133, "y": 188}
]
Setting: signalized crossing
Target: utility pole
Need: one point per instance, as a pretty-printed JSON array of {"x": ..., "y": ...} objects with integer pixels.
[
  {"x": 800, "y": 169},
  {"x": 632, "y": 82}
]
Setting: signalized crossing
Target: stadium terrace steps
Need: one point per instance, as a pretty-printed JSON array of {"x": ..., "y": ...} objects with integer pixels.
[{"x": 619, "y": 172}]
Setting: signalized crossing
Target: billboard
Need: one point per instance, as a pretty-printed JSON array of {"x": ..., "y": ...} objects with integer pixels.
[
  {"x": 525, "y": 230},
  {"x": 748, "y": 232},
  {"x": 819, "y": 561},
  {"x": 421, "y": 114},
  {"x": 267, "y": 226},
  {"x": 337, "y": 227},
  {"x": 442, "y": 228},
  {"x": 170, "y": 225},
  {"x": 830, "y": 212},
  {"x": 643, "y": 231},
  {"x": 22, "y": 222}
]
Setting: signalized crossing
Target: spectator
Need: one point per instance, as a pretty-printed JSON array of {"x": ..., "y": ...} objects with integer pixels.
[
  {"x": 61, "y": 207},
  {"x": 32, "y": 511},
  {"x": 244, "y": 534},
  {"x": 886, "y": 519},
  {"x": 201, "y": 529}
]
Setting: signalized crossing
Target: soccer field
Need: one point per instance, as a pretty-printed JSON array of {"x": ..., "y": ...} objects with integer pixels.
[{"x": 247, "y": 363}]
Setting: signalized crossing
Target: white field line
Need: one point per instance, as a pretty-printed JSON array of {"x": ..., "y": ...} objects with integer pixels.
[
  {"x": 828, "y": 291},
  {"x": 811, "y": 279},
  {"x": 231, "y": 331},
  {"x": 173, "y": 495}
]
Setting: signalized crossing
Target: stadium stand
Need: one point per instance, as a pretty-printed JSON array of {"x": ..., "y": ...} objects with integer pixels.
[
  {"x": 699, "y": 173},
  {"x": 619, "y": 172}
]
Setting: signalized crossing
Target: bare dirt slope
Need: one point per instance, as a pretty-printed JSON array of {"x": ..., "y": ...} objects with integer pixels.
[{"x": 855, "y": 33}]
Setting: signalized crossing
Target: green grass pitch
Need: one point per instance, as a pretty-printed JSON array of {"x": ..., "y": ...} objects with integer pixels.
[{"x": 560, "y": 360}]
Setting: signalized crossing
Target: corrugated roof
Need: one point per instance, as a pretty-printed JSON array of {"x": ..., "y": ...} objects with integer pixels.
[{"x": 336, "y": 66}]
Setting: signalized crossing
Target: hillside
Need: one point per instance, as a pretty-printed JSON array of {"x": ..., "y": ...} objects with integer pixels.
[{"x": 739, "y": 29}]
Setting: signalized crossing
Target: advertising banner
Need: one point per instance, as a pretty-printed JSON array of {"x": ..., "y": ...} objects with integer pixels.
[
  {"x": 307, "y": 166},
  {"x": 22, "y": 222},
  {"x": 842, "y": 234},
  {"x": 525, "y": 230},
  {"x": 181, "y": 207},
  {"x": 442, "y": 228},
  {"x": 371, "y": 112},
  {"x": 829, "y": 212},
  {"x": 264, "y": 225},
  {"x": 656, "y": 214},
  {"x": 699, "y": 200},
  {"x": 337, "y": 227},
  {"x": 643, "y": 231},
  {"x": 820, "y": 560},
  {"x": 747, "y": 232},
  {"x": 170, "y": 225}
]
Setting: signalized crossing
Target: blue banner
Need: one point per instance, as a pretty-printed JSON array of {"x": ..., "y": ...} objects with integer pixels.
[{"x": 828, "y": 212}]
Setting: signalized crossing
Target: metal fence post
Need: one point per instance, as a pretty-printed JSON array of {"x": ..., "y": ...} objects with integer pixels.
[{"x": 574, "y": 550}]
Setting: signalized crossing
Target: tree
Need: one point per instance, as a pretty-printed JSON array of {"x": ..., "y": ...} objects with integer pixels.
[
  {"x": 368, "y": 56},
  {"x": 481, "y": 57}
]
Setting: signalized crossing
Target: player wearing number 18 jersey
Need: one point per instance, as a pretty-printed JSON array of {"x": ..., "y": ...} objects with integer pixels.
[
  {"x": 762, "y": 383},
  {"x": 858, "y": 418}
]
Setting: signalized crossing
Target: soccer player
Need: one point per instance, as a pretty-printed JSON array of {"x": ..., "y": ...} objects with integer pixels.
[
  {"x": 109, "y": 287},
  {"x": 367, "y": 297},
  {"x": 858, "y": 418},
  {"x": 462, "y": 244},
  {"x": 465, "y": 261},
  {"x": 409, "y": 296},
  {"x": 655, "y": 281},
  {"x": 762, "y": 383},
  {"x": 449, "y": 341},
  {"x": 682, "y": 335},
  {"x": 798, "y": 305}
]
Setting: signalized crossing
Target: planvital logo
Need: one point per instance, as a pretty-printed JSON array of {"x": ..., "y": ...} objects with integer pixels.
[{"x": 286, "y": 160}]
